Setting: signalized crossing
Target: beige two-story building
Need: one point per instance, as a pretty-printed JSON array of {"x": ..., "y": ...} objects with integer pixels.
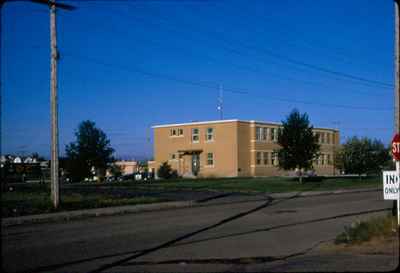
[{"x": 229, "y": 148}]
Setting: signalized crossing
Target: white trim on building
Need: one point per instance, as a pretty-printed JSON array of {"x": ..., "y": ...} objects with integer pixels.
[{"x": 232, "y": 120}]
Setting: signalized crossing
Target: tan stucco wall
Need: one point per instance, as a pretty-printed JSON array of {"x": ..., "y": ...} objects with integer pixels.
[
  {"x": 234, "y": 148},
  {"x": 244, "y": 146},
  {"x": 223, "y": 148}
]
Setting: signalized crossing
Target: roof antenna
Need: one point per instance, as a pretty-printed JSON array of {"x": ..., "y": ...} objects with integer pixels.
[{"x": 220, "y": 102}]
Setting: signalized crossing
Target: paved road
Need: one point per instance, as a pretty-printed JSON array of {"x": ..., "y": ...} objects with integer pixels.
[{"x": 234, "y": 236}]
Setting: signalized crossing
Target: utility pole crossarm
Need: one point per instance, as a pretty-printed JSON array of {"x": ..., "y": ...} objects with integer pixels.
[{"x": 57, "y": 5}]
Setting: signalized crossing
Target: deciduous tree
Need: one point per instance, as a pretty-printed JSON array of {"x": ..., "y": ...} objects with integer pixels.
[
  {"x": 299, "y": 146},
  {"x": 91, "y": 151}
]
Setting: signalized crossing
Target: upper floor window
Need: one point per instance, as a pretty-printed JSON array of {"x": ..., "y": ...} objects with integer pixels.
[
  {"x": 318, "y": 137},
  {"x": 176, "y": 132},
  {"x": 210, "y": 134},
  {"x": 258, "y": 133},
  {"x": 328, "y": 138},
  {"x": 322, "y": 137},
  {"x": 264, "y": 133},
  {"x": 272, "y": 134},
  {"x": 195, "y": 135}
]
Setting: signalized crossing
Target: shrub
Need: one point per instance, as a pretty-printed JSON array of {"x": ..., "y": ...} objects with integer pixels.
[{"x": 165, "y": 171}]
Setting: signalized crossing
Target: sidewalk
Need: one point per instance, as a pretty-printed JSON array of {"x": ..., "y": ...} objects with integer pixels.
[{"x": 218, "y": 199}]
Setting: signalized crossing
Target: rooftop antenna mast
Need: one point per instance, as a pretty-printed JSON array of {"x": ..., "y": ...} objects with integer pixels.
[{"x": 220, "y": 102}]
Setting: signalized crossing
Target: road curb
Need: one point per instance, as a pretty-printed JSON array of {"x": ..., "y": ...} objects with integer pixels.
[{"x": 78, "y": 214}]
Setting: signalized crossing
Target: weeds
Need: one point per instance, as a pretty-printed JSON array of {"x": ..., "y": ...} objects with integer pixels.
[{"x": 363, "y": 231}]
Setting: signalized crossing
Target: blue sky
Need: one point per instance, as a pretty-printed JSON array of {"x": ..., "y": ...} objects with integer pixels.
[{"x": 130, "y": 65}]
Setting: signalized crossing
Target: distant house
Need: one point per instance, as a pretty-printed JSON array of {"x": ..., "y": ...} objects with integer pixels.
[
  {"x": 30, "y": 160},
  {"x": 128, "y": 167},
  {"x": 17, "y": 160}
]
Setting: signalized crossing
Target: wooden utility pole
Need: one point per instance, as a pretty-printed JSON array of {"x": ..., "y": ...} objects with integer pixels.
[{"x": 55, "y": 192}]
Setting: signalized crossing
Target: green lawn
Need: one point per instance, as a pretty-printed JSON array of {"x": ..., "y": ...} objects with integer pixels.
[
  {"x": 26, "y": 199},
  {"x": 264, "y": 185},
  {"x": 35, "y": 199}
]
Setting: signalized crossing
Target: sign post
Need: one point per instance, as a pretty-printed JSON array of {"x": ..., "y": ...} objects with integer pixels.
[
  {"x": 391, "y": 180},
  {"x": 398, "y": 191}
]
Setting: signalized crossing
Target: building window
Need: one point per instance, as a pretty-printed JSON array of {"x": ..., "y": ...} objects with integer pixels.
[
  {"x": 258, "y": 158},
  {"x": 259, "y": 133},
  {"x": 318, "y": 137},
  {"x": 195, "y": 135},
  {"x": 328, "y": 159},
  {"x": 173, "y": 156},
  {"x": 264, "y": 133},
  {"x": 210, "y": 134},
  {"x": 180, "y": 132},
  {"x": 322, "y": 137},
  {"x": 173, "y": 132},
  {"x": 266, "y": 158},
  {"x": 322, "y": 159},
  {"x": 272, "y": 134},
  {"x": 210, "y": 159},
  {"x": 328, "y": 138},
  {"x": 274, "y": 158}
]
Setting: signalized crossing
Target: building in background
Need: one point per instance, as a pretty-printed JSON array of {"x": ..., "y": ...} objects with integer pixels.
[
  {"x": 230, "y": 148},
  {"x": 128, "y": 167}
]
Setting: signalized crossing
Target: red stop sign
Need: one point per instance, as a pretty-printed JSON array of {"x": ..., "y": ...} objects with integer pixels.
[{"x": 396, "y": 147}]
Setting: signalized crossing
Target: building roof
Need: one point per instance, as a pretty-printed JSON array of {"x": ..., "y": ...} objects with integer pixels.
[{"x": 227, "y": 121}]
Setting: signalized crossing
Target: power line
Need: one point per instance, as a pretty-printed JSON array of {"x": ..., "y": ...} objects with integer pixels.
[
  {"x": 218, "y": 36},
  {"x": 273, "y": 54},
  {"x": 236, "y": 52},
  {"x": 248, "y": 68},
  {"x": 213, "y": 86}
]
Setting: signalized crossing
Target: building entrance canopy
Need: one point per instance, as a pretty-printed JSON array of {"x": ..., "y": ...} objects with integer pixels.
[{"x": 190, "y": 151}]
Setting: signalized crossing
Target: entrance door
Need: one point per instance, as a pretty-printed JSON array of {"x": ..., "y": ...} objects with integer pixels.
[{"x": 195, "y": 164}]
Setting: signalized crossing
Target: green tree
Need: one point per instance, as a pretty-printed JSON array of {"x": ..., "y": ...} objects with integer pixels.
[
  {"x": 91, "y": 150},
  {"x": 299, "y": 146},
  {"x": 37, "y": 157},
  {"x": 362, "y": 156},
  {"x": 166, "y": 172}
]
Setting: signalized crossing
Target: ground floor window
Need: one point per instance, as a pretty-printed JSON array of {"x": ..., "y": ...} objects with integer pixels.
[
  {"x": 258, "y": 158},
  {"x": 274, "y": 158},
  {"x": 266, "y": 158},
  {"x": 210, "y": 159}
]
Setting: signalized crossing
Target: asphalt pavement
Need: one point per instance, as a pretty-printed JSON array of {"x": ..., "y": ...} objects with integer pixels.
[{"x": 262, "y": 233}]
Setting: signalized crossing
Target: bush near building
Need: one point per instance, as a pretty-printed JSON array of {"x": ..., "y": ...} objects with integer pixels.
[{"x": 165, "y": 171}]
